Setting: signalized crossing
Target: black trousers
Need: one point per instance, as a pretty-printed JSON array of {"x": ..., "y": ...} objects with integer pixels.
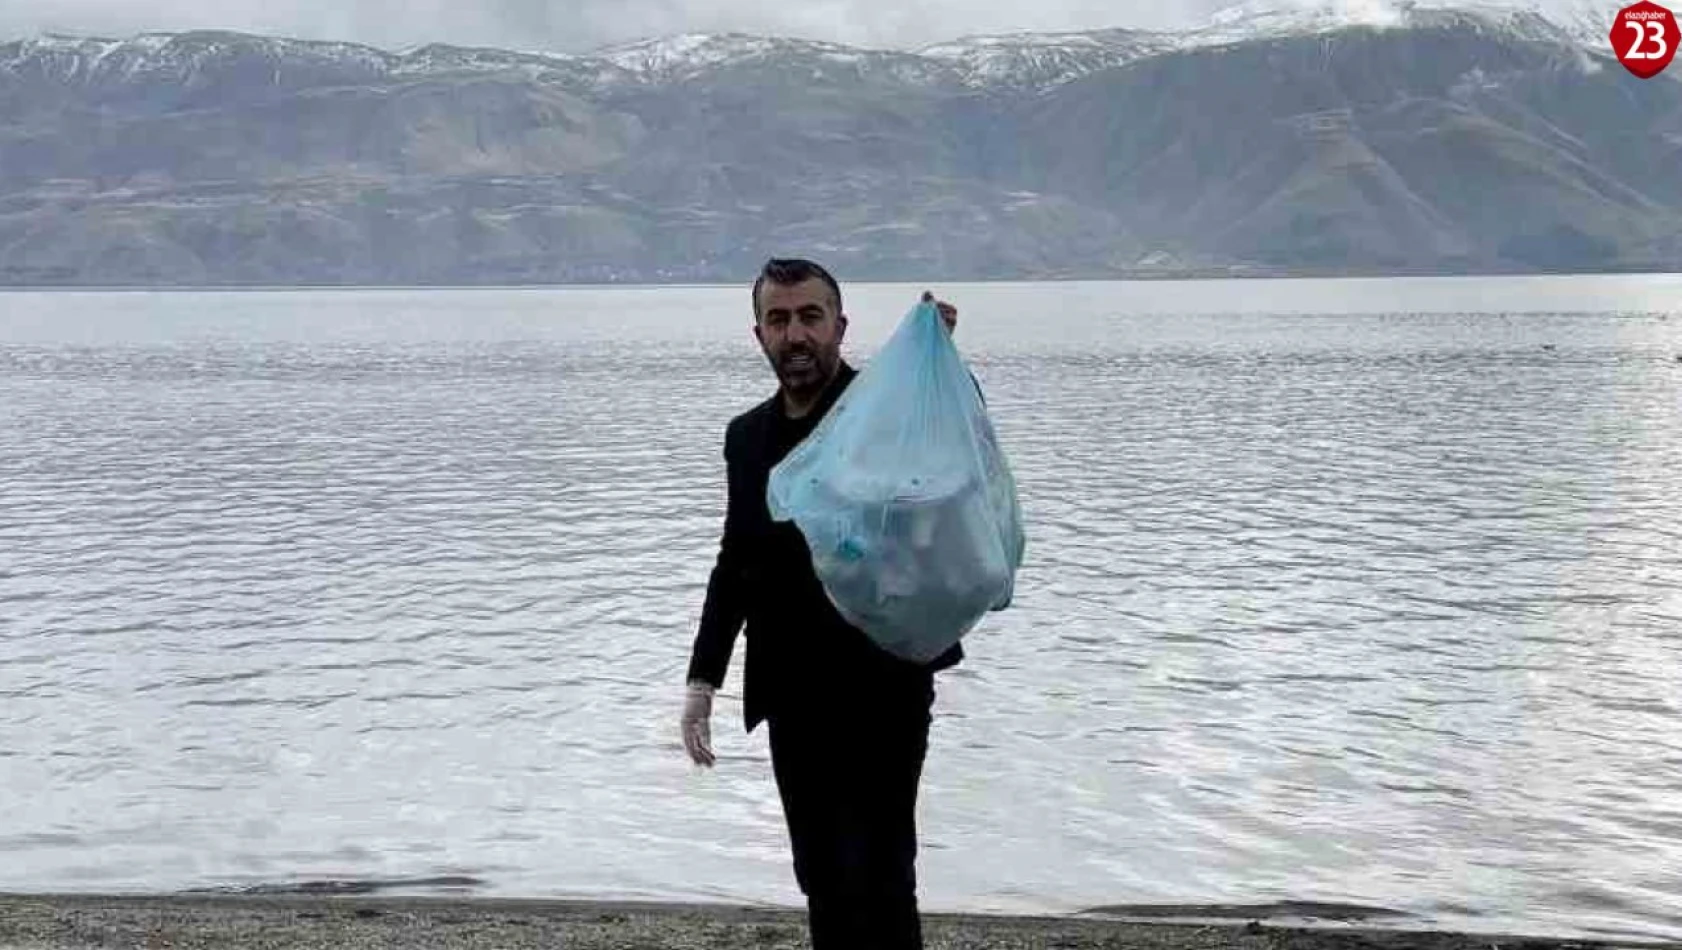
[{"x": 849, "y": 788}]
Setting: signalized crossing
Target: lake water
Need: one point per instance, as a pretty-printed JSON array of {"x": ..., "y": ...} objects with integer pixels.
[{"x": 1352, "y": 591}]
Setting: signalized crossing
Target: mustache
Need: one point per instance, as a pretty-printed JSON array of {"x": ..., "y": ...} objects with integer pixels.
[{"x": 794, "y": 351}]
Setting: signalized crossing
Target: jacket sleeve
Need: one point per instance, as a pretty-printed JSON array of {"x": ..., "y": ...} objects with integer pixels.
[{"x": 725, "y": 607}]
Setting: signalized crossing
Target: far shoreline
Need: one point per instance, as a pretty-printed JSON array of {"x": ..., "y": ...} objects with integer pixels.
[{"x": 1167, "y": 278}]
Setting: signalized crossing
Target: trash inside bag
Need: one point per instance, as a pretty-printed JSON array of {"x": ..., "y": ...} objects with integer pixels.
[{"x": 905, "y": 498}]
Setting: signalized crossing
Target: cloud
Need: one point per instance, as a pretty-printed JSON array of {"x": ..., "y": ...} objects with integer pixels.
[
  {"x": 577, "y": 25},
  {"x": 580, "y": 25}
]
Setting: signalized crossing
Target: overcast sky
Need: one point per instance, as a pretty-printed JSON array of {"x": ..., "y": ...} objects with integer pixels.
[
  {"x": 575, "y": 25},
  {"x": 581, "y": 25}
]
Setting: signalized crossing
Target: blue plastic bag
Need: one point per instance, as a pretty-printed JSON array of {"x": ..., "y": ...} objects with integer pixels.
[{"x": 905, "y": 498}]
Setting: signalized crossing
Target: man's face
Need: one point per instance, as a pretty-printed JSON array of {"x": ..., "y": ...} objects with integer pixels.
[{"x": 800, "y": 330}]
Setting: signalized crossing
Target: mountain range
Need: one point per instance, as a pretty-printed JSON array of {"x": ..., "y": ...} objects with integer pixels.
[{"x": 1398, "y": 138}]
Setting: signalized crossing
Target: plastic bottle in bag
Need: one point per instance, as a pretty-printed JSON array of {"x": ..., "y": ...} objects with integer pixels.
[{"x": 905, "y": 498}]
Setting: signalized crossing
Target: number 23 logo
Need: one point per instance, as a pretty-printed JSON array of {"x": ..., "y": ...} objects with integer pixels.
[
  {"x": 1644, "y": 38},
  {"x": 1653, "y": 31}
]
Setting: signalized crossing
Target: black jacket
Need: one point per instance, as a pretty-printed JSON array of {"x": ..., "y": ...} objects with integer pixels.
[{"x": 800, "y": 652}]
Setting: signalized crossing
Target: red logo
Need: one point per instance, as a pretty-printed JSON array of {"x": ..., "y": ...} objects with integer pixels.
[{"x": 1645, "y": 38}]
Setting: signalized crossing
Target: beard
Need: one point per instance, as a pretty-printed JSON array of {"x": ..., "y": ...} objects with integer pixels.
[{"x": 804, "y": 369}]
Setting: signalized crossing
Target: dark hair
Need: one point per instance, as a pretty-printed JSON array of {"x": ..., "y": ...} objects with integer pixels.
[{"x": 793, "y": 270}]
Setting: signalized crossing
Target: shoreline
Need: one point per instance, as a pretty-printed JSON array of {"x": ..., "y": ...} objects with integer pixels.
[
  {"x": 1131, "y": 277},
  {"x": 285, "y": 921}
]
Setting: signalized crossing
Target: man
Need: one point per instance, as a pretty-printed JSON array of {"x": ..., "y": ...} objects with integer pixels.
[{"x": 849, "y": 722}]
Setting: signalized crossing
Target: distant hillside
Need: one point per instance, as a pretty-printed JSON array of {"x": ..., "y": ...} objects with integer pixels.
[{"x": 1421, "y": 140}]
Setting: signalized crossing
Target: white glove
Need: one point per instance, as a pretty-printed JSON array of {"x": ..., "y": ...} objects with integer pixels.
[{"x": 697, "y": 722}]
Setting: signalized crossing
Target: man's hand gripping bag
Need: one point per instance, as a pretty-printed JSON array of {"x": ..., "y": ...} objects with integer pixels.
[{"x": 905, "y": 498}]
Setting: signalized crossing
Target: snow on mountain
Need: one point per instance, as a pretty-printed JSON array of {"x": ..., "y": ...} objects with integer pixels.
[
  {"x": 1587, "y": 21},
  {"x": 177, "y": 56},
  {"x": 584, "y": 72},
  {"x": 441, "y": 57},
  {"x": 1021, "y": 61},
  {"x": 675, "y": 58},
  {"x": 63, "y": 58},
  {"x": 670, "y": 56},
  {"x": 1257, "y": 20},
  {"x": 1261, "y": 19},
  {"x": 1043, "y": 59}
]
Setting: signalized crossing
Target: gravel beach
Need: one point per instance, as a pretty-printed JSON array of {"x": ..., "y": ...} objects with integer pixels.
[{"x": 294, "y": 922}]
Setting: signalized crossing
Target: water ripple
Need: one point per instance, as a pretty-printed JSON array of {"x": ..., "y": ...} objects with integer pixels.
[{"x": 1345, "y": 611}]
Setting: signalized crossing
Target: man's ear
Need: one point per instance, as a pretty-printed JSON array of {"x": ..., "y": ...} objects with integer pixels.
[
  {"x": 758, "y": 333},
  {"x": 840, "y": 327}
]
